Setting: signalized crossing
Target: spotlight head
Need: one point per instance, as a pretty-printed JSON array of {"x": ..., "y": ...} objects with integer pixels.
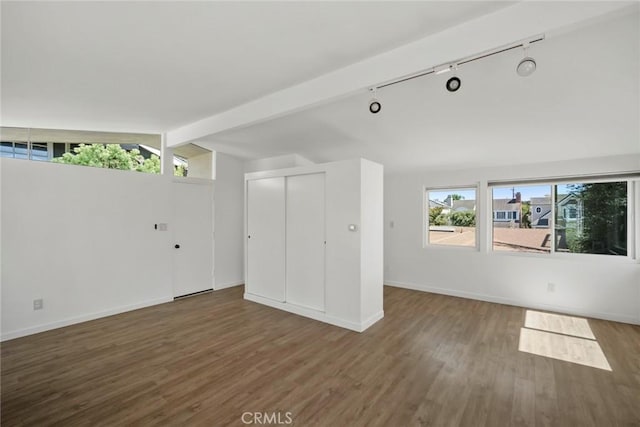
[
  {"x": 453, "y": 84},
  {"x": 526, "y": 67},
  {"x": 375, "y": 106}
]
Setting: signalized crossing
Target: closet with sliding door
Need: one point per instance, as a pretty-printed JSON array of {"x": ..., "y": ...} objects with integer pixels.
[{"x": 303, "y": 236}]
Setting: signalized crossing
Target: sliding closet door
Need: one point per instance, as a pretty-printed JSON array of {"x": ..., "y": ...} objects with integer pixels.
[
  {"x": 305, "y": 240},
  {"x": 266, "y": 238}
]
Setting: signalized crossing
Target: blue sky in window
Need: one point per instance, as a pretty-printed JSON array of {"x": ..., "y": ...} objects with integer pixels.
[{"x": 527, "y": 191}]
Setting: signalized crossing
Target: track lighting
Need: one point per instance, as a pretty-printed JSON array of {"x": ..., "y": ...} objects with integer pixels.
[
  {"x": 374, "y": 104},
  {"x": 527, "y": 65},
  {"x": 454, "y": 83}
]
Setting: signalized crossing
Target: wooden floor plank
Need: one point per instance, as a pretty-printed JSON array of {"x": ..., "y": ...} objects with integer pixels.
[{"x": 433, "y": 360}]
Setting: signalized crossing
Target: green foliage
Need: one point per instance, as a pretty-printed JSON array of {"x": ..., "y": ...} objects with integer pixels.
[
  {"x": 442, "y": 219},
  {"x": 604, "y": 218},
  {"x": 150, "y": 165},
  {"x": 180, "y": 171},
  {"x": 110, "y": 156},
  {"x": 458, "y": 219},
  {"x": 113, "y": 156},
  {"x": 463, "y": 219},
  {"x": 457, "y": 197},
  {"x": 433, "y": 214},
  {"x": 526, "y": 215},
  {"x": 436, "y": 217}
]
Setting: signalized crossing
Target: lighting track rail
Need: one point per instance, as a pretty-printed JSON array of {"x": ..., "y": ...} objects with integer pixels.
[{"x": 454, "y": 64}]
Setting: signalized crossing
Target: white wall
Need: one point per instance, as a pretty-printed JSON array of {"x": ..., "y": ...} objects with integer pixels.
[
  {"x": 277, "y": 162},
  {"x": 229, "y": 222},
  {"x": 343, "y": 265},
  {"x": 202, "y": 166},
  {"x": 83, "y": 240},
  {"x": 372, "y": 246},
  {"x": 596, "y": 286}
]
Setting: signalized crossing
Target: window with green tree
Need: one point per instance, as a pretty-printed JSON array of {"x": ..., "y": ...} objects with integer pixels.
[
  {"x": 591, "y": 217},
  {"x": 564, "y": 217},
  {"x": 451, "y": 217}
]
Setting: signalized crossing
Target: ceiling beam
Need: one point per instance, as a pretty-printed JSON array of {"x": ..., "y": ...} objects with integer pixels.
[{"x": 503, "y": 27}]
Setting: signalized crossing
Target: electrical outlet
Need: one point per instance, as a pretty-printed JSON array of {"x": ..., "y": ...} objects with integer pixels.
[
  {"x": 551, "y": 287},
  {"x": 38, "y": 304}
]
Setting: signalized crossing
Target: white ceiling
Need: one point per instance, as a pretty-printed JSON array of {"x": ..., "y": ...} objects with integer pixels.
[
  {"x": 154, "y": 66},
  {"x": 583, "y": 101}
]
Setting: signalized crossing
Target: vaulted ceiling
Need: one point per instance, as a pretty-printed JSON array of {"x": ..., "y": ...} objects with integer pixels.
[
  {"x": 258, "y": 79},
  {"x": 582, "y": 101},
  {"x": 154, "y": 66}
]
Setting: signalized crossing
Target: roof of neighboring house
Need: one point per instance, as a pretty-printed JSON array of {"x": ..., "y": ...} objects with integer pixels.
[
  {"x": 505, "y": 205},
  {"x": 546, "y": 200},
  {"x": 437, "y": 204},
  {"x": 561, "y": 199},
  {"x": 464, "y": 205}
]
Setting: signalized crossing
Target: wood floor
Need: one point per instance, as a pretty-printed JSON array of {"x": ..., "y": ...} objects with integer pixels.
[{"x": 433, "y": 360}]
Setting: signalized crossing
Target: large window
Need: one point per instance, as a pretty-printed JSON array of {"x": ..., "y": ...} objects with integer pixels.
[
  {"x": 451, "y": 217},
  {"x": 578, "y": 217}
]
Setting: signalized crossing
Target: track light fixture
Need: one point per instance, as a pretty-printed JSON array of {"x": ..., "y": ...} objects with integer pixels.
[
  {"x": 374, "y": 104},
  {"x": 454, "y": 83},
  {"x": 527, "y": 65}
]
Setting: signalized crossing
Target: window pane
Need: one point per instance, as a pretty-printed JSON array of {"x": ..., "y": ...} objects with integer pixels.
[
  {"x": 20, "y": 150},
  {"x": 39, "y": 151},
  {"x": 6, "y": 149},
  {"x": 451, "y": 218},
  {"x": 591, "y": 218},
  {"x": 58, "y": 149},
  {"x": 521, "y": 218}
]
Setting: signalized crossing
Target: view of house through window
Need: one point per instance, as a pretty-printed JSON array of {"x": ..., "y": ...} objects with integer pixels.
[
  {"x": 451, "y": 218},
  {"x": 522, "y": 218},
  {"x": 591, "y": 218},
  {"x": 580, "y": 218}
]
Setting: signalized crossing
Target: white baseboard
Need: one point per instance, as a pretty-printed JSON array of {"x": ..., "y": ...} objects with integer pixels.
[
  {"x": 525, "y": 304},
  {"x": 371, "y": 320},
  {"x": 79, "y": 319},
  {"x": 315, "y": 315},
  {"x": 220, "y": 286}
]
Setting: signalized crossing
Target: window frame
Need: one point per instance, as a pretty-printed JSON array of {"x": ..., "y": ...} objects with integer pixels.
[
  {"x": 425, "y": 217},
  {"x": 633, "y": 207}
]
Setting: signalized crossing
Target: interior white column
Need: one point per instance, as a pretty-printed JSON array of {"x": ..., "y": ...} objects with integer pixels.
[{"x": 166, "y": 156}]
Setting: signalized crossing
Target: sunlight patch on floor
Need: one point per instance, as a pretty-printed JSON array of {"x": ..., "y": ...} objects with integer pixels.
[
  {"x": 566, "y": 325},
  {"x": 562, "y": 347}
]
